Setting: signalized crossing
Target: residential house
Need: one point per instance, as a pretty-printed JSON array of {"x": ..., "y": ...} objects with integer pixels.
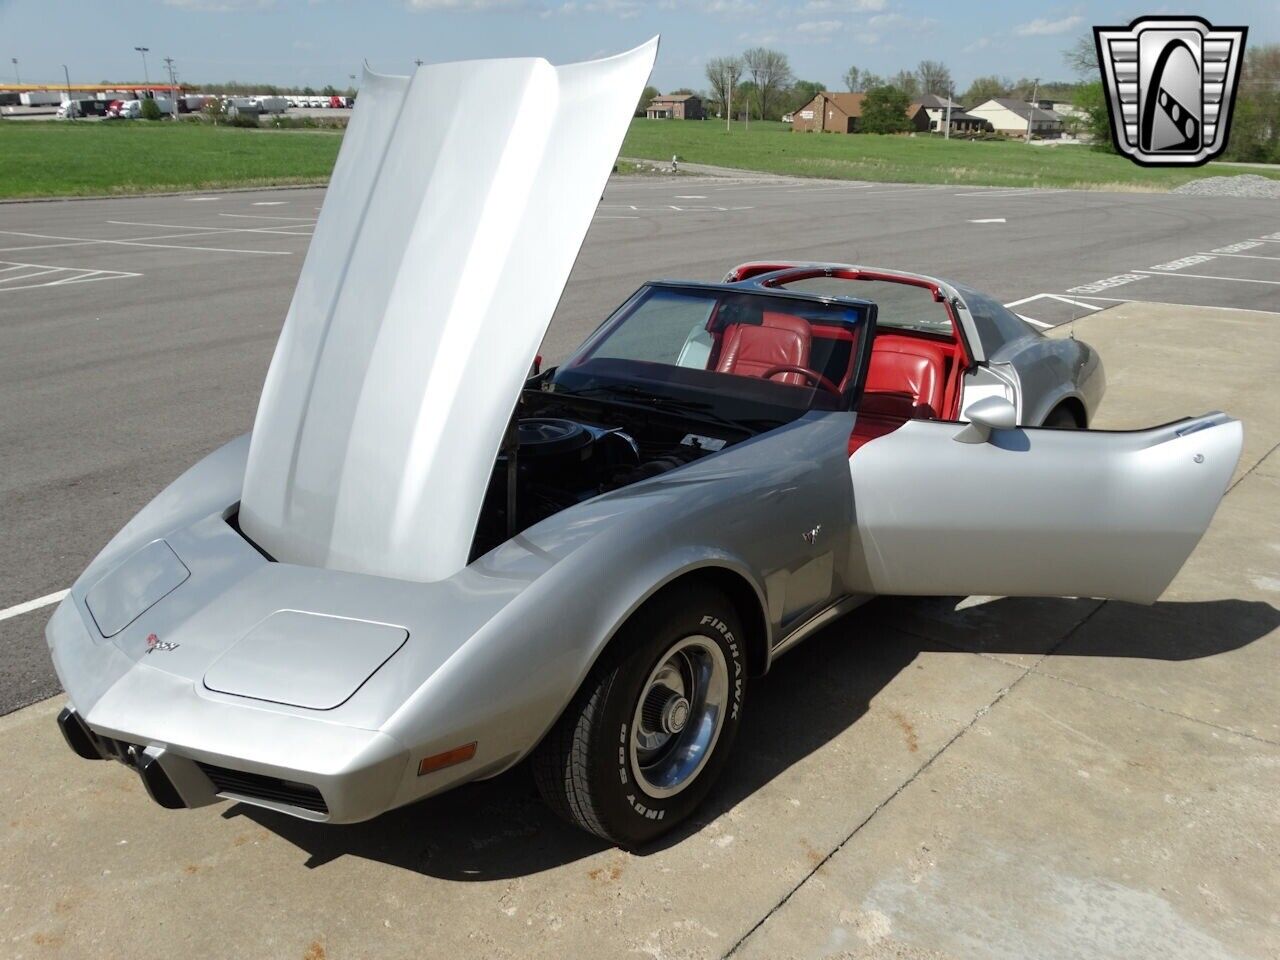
[
  {"x": 677, "y": 106},
  {"x": 1012, "y": 117},
  {"x": 842, "y": 113}
]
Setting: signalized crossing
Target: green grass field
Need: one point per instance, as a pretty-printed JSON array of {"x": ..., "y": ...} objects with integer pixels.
[
  {"x": 56, "y": 159},
  {"x": 773, "y": 148}
]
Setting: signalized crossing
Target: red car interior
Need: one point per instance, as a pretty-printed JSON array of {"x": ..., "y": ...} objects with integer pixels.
[
  {"x": 750, "y": 350},
  {"x": 910, "y": 376}
]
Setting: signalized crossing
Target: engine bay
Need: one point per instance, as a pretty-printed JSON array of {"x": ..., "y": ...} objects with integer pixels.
[{"x": 570, "y": 449}]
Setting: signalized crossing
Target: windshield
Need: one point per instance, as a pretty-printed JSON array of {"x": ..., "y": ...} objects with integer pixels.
[{"x": 735, "y": 354}]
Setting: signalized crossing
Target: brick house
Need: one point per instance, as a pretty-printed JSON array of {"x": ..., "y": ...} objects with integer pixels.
[
  {"x": 678, "y": 106},
  {"x": 842, "y": 113}
]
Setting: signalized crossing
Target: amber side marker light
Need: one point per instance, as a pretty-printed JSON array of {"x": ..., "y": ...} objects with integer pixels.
[{"x": 447, "y": 759}]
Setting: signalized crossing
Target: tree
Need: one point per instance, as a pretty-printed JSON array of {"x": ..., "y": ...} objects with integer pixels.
[
  {"x": 801, "y": 92},
  {"x": 746, "y": 94},
  {"x": 771, "y": 73},
  {"x": 681, "y": 91},
  {"x": 1082, "y": 56},
  {"x": 1091, "y": 99},
  {"x": 151, "y": 110},
  {"x": 907, "y": 82},
  {"x": 645, "y": 99},
  {"x": 884, "y": 110},
  {"x": 724, "y": 74},
  {"x": 986, "y": 88},
  {"x": 1254, "y": 134},
  {"x": 851, "y": 77},
  {"x": 869, "y": 80},
  {"x": 934, "y": 77}
]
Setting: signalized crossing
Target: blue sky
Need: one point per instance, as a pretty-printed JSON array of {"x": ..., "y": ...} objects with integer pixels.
[{"x": 324, "y": 41}]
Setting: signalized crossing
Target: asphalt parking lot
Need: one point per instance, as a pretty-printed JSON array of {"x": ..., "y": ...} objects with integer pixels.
[{"x": 980, "y": 777}]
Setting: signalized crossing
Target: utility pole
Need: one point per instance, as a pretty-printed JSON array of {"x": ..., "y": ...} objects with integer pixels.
[
  {"x": 1031, "y": 112},
  {"x": 951, "y": 89},
  {"x": 71, "y": 109},
  {"x": 728, "y": 110},
  {"x": 173, "y": 86},
  {"x": 144, "y": 51},
  {"x": 17, "y": 76}
]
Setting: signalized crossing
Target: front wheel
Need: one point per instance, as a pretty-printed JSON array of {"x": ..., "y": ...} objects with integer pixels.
[{"x": 647, "y": 734}]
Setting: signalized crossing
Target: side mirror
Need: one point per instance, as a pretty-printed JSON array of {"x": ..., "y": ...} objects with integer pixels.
[{"x": 987, "y": 414}]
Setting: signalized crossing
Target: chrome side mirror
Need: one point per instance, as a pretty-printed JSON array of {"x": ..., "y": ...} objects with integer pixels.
[{"x": 987, "y": 414}]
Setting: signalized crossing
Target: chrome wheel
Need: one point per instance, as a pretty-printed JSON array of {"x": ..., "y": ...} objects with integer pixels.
[{"x": 679, "y": 716}]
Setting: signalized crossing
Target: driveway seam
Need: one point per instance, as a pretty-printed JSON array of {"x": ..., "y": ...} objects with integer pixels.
[
  {"x": 1244, "y": 476},
  {"x": 978, "y": 715},
  {"x": 1165, "y": 710}
]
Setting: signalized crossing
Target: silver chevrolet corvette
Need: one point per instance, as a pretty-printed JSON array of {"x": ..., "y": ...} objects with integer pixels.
[{"x": 430, "y": 559}]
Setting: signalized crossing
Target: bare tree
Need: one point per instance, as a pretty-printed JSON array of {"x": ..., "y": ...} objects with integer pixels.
[
  {"x": 724, "y": 74},
  {"x": 907, "y": 82},
  {"x": 770, "y": 72},
  {"x": 851, "y": 77},
  {"x": 934, "y": 77},
  {"x": 1082, "y": 56}
]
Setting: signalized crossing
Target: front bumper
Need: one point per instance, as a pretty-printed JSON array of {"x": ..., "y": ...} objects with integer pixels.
[{"x": 192, "y": 750}]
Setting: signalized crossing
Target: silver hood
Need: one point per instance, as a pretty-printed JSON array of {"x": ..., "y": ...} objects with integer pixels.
[{"x": 455, "y": 212}]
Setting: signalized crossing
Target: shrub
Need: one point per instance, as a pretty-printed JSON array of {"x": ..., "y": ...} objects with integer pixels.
[{"x": 151, "y": 110}]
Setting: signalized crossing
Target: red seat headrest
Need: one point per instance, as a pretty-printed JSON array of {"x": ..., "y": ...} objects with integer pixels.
[{"x": 750, "y": 350}]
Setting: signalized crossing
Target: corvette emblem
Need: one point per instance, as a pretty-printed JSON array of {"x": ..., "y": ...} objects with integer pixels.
[
  {"x": 154, "y": 643},
  {"x": 1170, "y": 84}
]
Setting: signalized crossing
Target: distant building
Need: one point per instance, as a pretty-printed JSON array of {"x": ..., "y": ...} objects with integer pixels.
[
  {"x": 842, "y": 113},
  {"x": 942, "y": 109},
  {"x": 677, "y": 106},
  {"x": 1012, "y": 117}
]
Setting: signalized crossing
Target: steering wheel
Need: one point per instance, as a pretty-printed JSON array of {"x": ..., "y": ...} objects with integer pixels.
[{"x": 817, "y": 379}]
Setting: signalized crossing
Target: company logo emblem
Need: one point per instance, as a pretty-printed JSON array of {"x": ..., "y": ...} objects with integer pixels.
[
  {"x": 1170, "y": 84},
  {"x": 154, "y": 643}
]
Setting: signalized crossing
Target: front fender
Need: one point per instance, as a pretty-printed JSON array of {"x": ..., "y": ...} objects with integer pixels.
[{"x": 211, "y": 485}]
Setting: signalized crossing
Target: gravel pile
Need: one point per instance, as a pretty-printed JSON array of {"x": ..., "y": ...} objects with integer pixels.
[{"x": 1245, "y": 185}]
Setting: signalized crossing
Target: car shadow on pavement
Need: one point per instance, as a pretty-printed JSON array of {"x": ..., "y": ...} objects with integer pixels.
[{"x": 499, "y": 828}]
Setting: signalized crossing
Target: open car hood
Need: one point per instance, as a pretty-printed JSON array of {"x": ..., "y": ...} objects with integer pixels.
[{"x": 455, "y": 212}]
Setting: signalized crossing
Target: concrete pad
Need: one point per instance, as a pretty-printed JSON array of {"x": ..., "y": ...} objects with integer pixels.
[
  {"x": 830, "y": 735},
  {"x": 1062, "y": 824},
  {"x": 1210, "y": 649},
  {"x": 1166, "y": 361}
]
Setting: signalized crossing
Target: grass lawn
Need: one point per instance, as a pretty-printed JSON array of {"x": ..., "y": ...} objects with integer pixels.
[
  {"x": 55, "y": 158},
  {"x": 773, "y": 148}
]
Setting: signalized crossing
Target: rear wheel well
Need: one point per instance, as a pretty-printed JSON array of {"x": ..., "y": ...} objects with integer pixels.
[
  {"x": 745, "y": 601},
  {"x": 1073, "y": 407}
]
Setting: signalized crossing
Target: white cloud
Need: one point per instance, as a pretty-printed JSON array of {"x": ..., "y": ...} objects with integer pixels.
[
  {"x": 1041, "y": 27},
  {"x": 221, "y": 6},
  {"x": 980, "y": 44},
  {"x": 843, "y": 6},
  {"x": 463, "y": 4},
  {"x": 901, "y": 23},
  {"x": 817, "y": 26}
]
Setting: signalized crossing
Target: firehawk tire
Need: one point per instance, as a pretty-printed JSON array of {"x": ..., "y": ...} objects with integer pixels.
[{"x": 650, "y": 729}]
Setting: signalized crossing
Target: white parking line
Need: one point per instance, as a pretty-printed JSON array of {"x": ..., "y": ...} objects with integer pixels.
[
  {"x": 279, "y": 231},
  {"x": 21, "y": 608},
  {"x": 1245, "y": 256},
  {"x": 65, "y": 276},
  {"x": 198, "y": 199},
  {"x": 1203, "y": 276},
  {"x": 161, "y": 246},
  {"x": 1038, "y": 323},
  {"x": 1052, "y": 296},
  {"x": 263, "y": 216}
]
